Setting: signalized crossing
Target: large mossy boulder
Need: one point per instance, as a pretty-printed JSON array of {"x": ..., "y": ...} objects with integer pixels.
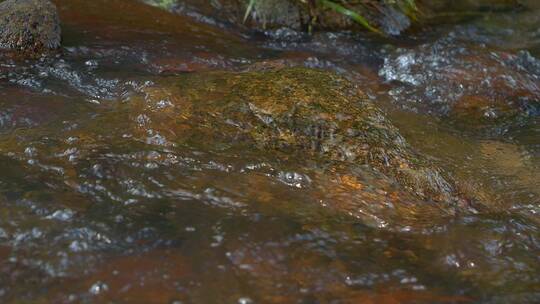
[
  {"x": 299, "y": 111},
  {"x": 29, "y": 25}
]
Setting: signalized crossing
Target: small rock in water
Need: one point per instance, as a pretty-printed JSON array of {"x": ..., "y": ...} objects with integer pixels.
[{"x": 29, "y": 25}]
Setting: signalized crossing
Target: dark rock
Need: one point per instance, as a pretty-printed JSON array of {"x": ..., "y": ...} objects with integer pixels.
[{"x": 29, "y": 25}]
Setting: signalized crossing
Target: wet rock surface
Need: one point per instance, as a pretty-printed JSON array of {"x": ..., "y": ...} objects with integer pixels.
[
  {"x": 306, "y": 111},
  {"x": 29, "y": 25}
]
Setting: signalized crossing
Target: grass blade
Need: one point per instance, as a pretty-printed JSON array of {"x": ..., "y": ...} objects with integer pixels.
[
  {"x": 249, "y": 9},
  {"x": 349, "y": 13}
]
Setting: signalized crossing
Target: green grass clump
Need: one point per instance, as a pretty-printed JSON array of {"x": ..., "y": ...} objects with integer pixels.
[{"x": 357, "y": 10}]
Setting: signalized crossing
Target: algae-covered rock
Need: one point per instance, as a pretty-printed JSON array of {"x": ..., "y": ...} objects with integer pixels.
[
  {"x": 29, "y": 25},
  {"x": 297, "y": 111}
]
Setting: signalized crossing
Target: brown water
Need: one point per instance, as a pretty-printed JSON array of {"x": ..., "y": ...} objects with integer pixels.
[{"x": 101, "y": 203}]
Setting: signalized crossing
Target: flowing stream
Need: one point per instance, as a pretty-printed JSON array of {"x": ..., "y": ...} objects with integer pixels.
[{"x": 106, "y": 198}]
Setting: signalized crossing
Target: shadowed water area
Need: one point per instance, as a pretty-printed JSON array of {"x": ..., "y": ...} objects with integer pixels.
[{"x": 164, "y": 155}]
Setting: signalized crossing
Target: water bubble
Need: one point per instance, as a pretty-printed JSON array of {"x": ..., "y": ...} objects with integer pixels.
[
  {"x": 142, "y": 120},
  {"x": 245, "y": 300},
  {"x": 91, "y": 63},
  {"x": 452, "y": 260},
  {"x": 294, "y": 179},
  {"x": 30, "y": 151},
  {"x": 3, "y": 234},
  {"x": 77, "y": 246},
  {"x": 62, "y": 215},
  {"x": 490, "y": 113},
  {"x": 163, "y": 104},
  {"x": 98, "y": 288},
  {"x": 157, "y": 140},
  {"x": 218, "y": 240},
  {"x": 72, "y": 139},
  {"x": 119, "y": 218},
  {"x": 408, "y": 280}
]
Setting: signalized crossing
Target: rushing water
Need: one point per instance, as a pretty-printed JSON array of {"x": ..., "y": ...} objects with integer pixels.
[{"x": 101, "y": 203}]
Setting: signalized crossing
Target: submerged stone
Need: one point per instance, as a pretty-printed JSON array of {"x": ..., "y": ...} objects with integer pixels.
[
  {"x": 29, "y": 25},
  {"x": 296, "y": 111}
]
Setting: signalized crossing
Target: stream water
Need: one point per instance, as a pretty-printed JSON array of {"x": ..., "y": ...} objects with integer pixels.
[{"x": 98, "y": 206}]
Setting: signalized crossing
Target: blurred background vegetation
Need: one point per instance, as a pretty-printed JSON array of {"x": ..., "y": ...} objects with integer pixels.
[{"x": 384, "y": 17}]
